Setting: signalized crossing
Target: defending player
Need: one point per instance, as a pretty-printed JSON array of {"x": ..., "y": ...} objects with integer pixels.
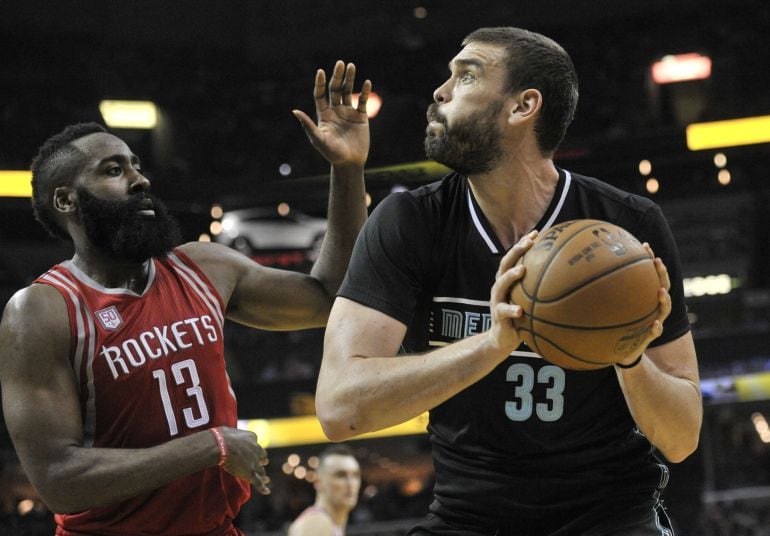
[{"x": 113, "y": 377}]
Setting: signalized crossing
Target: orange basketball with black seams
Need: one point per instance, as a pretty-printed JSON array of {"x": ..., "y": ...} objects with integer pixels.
[{"x": 589, "y": 295}]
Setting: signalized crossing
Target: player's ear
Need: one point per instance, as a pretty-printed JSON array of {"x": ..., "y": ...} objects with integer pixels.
[
  {"x": 64, "y": 199},
  {"x": 525, "y": 105}
]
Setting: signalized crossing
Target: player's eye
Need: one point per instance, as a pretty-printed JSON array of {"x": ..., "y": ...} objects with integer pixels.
[
  {"x": 467, "y": 77},
  {"x": 114, "y": 171}
]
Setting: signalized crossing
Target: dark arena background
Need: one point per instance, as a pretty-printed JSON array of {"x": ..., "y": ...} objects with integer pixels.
[{"x": 224, "y": 76}]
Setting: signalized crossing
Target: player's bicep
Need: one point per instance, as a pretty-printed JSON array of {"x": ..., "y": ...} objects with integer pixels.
[
  {"x": 278, "y": 299},
  {"x": 260, "y": 296},
  {"x": 355, "y": 330},
  {"x": 40, "y": 400}
]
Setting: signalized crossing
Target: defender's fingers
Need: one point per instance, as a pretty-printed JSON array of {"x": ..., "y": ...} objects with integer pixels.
[
  {"x": 335, "y": 84},
  {"x": 347, "y": 84},
  {"x": 308, "y": 125},
  {"x": 319, "y": 91},
  {"x": 366, "y": 90},
  {"x": 260, "y": 483},
  {"x": 262, "y": 455}
]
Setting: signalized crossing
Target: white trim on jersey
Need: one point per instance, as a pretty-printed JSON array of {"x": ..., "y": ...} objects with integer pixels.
[
  {"x": 84, "y": 339},
  {"x": 483, "y": 303},
  {"x": 548, "y": 223},
  {"x": 522, "y": 353},
  {"x": 200, "y": 288},
  {"x": 557, "y": 209},
  {"x": 449, "y": 299},
  {"x": 479, "y": 227},
  {"x": 515, "y": 353},
  {"x": 86, "y": 280}
]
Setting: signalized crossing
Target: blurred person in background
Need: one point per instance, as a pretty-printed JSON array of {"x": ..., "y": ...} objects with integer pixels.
[
  {"x": 337, "y": 485},
  {"x": 114, "y": 386}
]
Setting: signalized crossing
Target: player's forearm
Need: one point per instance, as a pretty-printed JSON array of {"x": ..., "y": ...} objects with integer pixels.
[
  {"x": 667, "y": 409},
  {"x": 85, "y": 478},
  {"x": 365, "y": 394},
  {"x": 346, "y": 214}
]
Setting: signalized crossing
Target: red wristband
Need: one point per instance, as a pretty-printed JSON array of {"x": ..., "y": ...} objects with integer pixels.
[{"x": 221, "y": 444}]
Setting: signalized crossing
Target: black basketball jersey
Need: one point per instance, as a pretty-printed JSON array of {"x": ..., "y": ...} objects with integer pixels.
[{"x": 530, "y": 439}]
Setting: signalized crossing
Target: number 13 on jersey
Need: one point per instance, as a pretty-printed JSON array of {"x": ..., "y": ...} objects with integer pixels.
[{"x": 184, "y": 373}]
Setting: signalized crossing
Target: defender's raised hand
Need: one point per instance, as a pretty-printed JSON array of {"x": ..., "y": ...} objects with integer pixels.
[{"x": 342, "y": 133}]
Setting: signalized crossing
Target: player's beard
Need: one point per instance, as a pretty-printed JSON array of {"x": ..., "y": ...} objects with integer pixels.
[
  {"x": 118, "y": 229},
  {"x": 471, "y": 145}
]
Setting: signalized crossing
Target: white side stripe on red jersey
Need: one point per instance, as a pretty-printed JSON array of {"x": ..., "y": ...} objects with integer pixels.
[
  {"x": 83, "y": 349},
  {"x": 199, "y": 287}
]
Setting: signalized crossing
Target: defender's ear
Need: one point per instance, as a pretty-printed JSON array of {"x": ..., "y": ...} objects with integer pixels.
[{"x": 64, "y": 199}]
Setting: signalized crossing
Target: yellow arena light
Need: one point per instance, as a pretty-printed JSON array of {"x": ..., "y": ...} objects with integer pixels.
[
  {"x": 294, "y": 431},
  {"x": 728, "y": 133},
  {"x": 15, "y": 184},
  {"x": 129, "y": 114},
  {"x": 753, "y": 386}
]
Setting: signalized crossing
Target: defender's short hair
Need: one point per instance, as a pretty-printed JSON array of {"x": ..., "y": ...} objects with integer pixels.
[{"x": 57, "y": 163}]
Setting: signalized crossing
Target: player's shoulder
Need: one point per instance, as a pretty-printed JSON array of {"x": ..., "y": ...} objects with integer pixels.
[
  {"x": 612, "y": 202},
  {"x": 34, "y": 313},
  {"x": 38, "y": 301},
  {"x": 215, "y": 260},
  {"x": 424, "y": 203},
  {"x": 204, "y": 252},
  {"x": 311, "y": 522},
  {"x": 604, "y": 190}
]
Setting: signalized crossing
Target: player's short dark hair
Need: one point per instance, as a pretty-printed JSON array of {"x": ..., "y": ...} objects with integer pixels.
[
  {"x": 57, "y": 163},
  {"x": 336, "y": 449},
  {"x": 535, "y": 61}
]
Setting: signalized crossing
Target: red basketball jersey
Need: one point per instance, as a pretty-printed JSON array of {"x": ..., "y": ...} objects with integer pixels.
[{"x": 150, "y": 368}]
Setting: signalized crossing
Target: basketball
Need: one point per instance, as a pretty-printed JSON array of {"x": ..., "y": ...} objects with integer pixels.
[{"x": 589, "y": 295}]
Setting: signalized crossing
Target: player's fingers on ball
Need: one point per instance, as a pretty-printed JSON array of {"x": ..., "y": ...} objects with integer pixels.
[
  {"x": 507, "y": 278},
  {"x": 523, "y": 245},
  {"x": 507, "y": 311},
  {"x": 665, "y": 281},
  {"x": 665, "y": 303},
  {"x": 502, "y": 287},
  {"x": 657, "y": 329}
]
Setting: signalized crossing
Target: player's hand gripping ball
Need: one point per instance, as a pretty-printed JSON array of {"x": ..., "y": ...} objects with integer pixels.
[{"x": 589, "y": 295}]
